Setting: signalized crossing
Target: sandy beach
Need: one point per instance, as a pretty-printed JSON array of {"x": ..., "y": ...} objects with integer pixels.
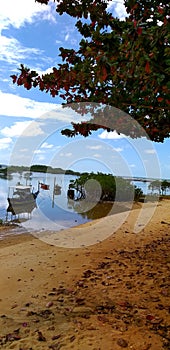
[{"x": 101, "y": 286}]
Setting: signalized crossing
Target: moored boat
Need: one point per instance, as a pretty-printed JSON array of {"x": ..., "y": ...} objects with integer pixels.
[{"x": 21, "y": 199}]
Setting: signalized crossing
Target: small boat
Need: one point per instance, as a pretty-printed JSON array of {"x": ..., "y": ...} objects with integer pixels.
[{"x": 21, "y": 199}]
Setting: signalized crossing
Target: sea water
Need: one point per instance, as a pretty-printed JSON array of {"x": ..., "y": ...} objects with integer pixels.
[{"x": 52, "y": 212}]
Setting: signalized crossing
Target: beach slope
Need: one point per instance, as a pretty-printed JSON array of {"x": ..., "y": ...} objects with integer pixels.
[{"x": 109, "y": 294}]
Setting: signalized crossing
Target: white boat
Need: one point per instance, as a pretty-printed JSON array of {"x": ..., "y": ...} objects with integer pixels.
[{"x": 21, "y": 199}]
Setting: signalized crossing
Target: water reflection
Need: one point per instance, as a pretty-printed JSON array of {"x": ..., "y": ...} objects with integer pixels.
[
  {"x": 6, "y": 176},
  {"x": 51, "y": 209},
  {"x": 99, "y": 210},
  {"x": 48, "y": 206},
  {"x": 21, "y": 199},
  {"x": 36, "y": 206}
]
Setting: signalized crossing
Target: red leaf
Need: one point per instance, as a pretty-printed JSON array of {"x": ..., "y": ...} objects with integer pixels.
[
  {"x": 66, "y": 87},
  {"x": 147, "y": 68},
  {"x": 104, "y": 73},
  {"x": 135, "y": 23},
  {"x": 160, "y": 99},
  {"x": 155, "y": 130},
  {"x": 19, "y": 81},
  {"x": 53, "y": 93},
  {"x": 93, "y": 24},
  {"x": 14, "y": 78},
  {"x": 139, "y": 30},
  {"x": 27, "y": 85},
  {"x": 160, "y": 10},
  {"x": 41, "y": 85}
]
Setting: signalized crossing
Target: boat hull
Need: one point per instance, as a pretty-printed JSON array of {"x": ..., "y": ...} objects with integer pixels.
[{"x": 18, "y": 205}]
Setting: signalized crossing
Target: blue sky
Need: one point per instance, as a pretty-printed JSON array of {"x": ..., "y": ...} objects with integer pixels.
[{"x": 31, "y": 121}]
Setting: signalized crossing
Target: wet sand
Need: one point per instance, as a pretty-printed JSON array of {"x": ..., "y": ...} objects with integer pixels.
[{"x": 104, "y": 286}]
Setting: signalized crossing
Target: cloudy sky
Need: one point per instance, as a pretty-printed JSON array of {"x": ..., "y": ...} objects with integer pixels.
[{"x": 31, "y": 121}]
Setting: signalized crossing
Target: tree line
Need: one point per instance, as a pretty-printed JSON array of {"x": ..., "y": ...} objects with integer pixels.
[
  {"x": 159, "y": 186},
  {"x": 37, "y": 168}
]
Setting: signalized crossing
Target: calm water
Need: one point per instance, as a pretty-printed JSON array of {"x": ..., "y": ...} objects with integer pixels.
[{"x": 53, "y": 212}]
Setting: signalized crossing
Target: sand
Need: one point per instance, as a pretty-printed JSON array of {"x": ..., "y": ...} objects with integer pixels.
[{"x": 105, "y": 286}]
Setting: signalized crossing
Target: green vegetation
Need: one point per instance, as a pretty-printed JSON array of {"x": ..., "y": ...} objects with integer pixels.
[
  {"x": 104, "y": 187},
  {"x": 3, "y": 172},
  {"x": 17, "y": 169},
  {"x": 119, "y": 63},
  {"x": 159, "y": 187},
  {"x": 138, "y": 194},
  {"x": 36, "y": 168},
  {"x": 49, "y": 169},
  {"x": 39, "y": 168},
  {"x": 164, "y": 186}
]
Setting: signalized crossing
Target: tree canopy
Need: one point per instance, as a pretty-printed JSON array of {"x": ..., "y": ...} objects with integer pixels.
[
  {"x": 119, "y": 63},
  {"x": 109, "y": 187}
]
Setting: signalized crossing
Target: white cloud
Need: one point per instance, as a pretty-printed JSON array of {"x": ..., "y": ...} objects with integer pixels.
[
  {"x": 58, "y": 41},
  {"x": 97, "y": 155},
  {"x": 69, "y": 33},
  {"x": 118, "y": 7},
  {"x": 24, "y": 129},
  {"x": 19, "y": 12},
  {"x": 67, "y": 37},
  {"x": 40, "y": 158},
  {"x": 16, "y": 106},
  {"x": 67, "y": 154},
  {"x": 38, "y": 151},
  {"x": 32, "y": 130},
  {"x": 13, "y": 52},
  {"x": 5, "y": 143},
  {"x": 150, "y": 151},
  {"x": 94, "y": 147},
  {"x": 18, "y": 15},
  {"x": 118, "y": 149},
  {"x": 24, "y": 150},
  {"x": 43, "y": 72},
  {"x": 47, "y": 145},
  {"x": 5, "y": 80},
  {"x": 111, "y": 135}
]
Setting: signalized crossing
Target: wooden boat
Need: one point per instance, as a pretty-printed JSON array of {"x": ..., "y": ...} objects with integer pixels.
[{"x": 21, "y": 199}]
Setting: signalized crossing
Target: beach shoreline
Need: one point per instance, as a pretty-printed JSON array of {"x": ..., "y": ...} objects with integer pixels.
[
  {"x": 13, "y": 229},
  {"x": 113, "y": 293}
]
